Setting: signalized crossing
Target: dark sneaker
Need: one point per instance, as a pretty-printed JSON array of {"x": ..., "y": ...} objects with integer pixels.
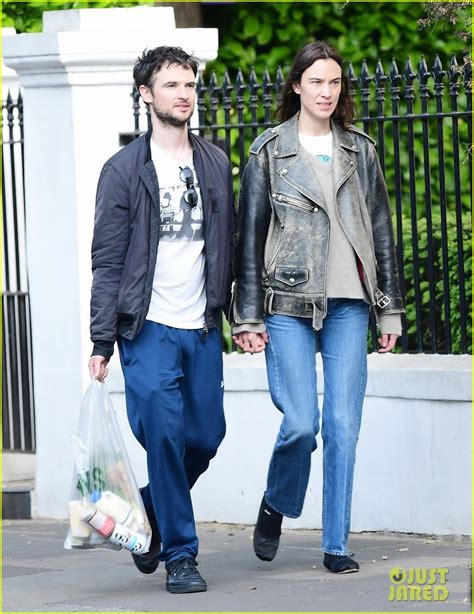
[
  {"x": 339, "y": 563},
  {"x": 183, "y": 577},
  {"x": 266, "y": 535},
  {"x": 148, "y": 562}
]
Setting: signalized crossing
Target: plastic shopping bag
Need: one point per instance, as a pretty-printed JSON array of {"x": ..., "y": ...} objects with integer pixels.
[{"x": 105, "y": 506}]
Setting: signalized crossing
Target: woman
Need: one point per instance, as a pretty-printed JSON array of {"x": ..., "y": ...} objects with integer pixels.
[{"x": 314, "y": 252}]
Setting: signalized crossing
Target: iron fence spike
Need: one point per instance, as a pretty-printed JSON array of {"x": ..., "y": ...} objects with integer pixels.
[
  {"x": 395, "y": 76},
  {"x": 408, "y": 73},
  {"x": 438, "y": 71},
  {"x": 454, "y": 70},
  {"x": 365, "y": 78},
  {"x": 213, "y": 81},
  {"x": 379, "y": 71},
  {"x": 351, "y": 73},
  {"x": 240, "y": 81}
]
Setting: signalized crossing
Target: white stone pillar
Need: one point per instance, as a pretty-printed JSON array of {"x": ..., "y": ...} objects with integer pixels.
[{"x": 77, "y": 80}]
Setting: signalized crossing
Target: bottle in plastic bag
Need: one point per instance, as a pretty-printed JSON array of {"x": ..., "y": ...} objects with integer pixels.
[{"x": 115, "y": 532}]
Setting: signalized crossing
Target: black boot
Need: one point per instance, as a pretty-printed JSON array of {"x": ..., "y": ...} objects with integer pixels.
[
  {"x": 340, "y": 563},
  {"x": 266, "y": 536}
]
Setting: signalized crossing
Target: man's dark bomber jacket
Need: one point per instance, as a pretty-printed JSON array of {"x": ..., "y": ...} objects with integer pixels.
[{"x": 126, "y": 233}]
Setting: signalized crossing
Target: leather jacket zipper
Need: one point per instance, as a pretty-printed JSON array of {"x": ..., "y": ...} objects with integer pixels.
[{"x": 296, "y": 203}]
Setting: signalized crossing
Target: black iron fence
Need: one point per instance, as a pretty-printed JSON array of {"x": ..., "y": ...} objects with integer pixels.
[
  {"x": 18, "y": 419},
  {"x": 421, "y": 121}
]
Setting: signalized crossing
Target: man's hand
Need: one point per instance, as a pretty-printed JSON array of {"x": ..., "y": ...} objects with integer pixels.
[
  {"x": 98, "y": 367},
  {"x": 387, "y": 343},
  {"x": 251, "y": 342}
]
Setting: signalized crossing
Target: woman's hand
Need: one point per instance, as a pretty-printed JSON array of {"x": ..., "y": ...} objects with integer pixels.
[{"x": 387, "y": 343}]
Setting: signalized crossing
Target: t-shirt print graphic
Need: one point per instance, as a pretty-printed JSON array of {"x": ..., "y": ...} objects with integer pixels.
[
  {"x": 323, "y": 158},
  {"x": 179, "y": 221}
]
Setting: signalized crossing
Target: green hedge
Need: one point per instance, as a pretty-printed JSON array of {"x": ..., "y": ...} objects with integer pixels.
[{"x": 453, "y": 286}]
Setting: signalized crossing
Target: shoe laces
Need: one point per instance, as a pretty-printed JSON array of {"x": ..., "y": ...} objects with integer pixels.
[{"x": 184, "y": 566}]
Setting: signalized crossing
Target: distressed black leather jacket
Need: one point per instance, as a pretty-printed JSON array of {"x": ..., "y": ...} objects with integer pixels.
[{"x": 283, "y": 229}]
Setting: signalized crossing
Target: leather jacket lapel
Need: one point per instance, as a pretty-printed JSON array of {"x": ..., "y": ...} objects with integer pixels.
[
  {"x": 343, "y": 166},
  {"x": 299, "y": 172},
  {"x": 344, "y": 160},
  {"x": 294, "y": 165}
]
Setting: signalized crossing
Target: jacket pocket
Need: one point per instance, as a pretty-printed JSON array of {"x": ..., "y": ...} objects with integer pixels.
[
  {"x": 291, "y": 276},
  {"x": 294, "y": 202}
]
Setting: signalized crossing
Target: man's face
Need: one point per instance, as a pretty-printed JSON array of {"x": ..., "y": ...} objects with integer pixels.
[
  {"x": 319, "y": 90},
  {"x": 172, "y": 94}
]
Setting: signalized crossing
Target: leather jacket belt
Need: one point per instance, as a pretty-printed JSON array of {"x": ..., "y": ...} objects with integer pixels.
[{"x": 300, "y": 305}]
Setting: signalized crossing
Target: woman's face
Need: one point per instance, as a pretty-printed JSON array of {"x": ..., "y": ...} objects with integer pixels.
[{"x": 319, "y": 91}]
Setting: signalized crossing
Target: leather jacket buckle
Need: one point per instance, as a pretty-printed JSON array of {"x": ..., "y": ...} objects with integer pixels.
[
  {"x": 381, "y": 299},
  {"x": 268, "y": 303}
]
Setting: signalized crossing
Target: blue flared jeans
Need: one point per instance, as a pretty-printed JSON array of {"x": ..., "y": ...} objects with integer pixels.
[{"x": 291, "y": 367}]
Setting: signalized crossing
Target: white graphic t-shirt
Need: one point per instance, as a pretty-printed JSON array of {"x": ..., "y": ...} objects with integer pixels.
[
  {"x": 319, "y": 146},
  {"x": 179, "y": 295}
]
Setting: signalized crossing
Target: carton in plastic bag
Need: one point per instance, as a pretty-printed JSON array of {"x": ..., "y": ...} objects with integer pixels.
[{"x": 105, "y": 506}]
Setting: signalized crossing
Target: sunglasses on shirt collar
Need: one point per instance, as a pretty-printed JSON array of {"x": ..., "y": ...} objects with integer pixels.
[{"x": 190, "y": 196}]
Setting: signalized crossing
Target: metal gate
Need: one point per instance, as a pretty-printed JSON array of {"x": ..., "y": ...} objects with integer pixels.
[{"x": 18, "y": 419}]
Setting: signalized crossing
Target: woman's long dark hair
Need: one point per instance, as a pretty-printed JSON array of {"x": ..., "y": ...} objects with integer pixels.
[{"x": 290, "y": 101}]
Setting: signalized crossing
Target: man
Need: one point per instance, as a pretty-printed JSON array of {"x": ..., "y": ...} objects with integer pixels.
[{"x": 159, "y": 283}]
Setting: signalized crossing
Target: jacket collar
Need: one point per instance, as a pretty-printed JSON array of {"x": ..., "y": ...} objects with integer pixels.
[
  {"x": 147, "y": 146},
  {"x": 287, "y": 143},
  {"x": 148, "y": 172}
]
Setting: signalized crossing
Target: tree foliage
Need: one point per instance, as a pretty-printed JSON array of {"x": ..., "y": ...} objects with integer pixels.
[
  {"x": 451, "y": 15},
  {"x": 269, "y": 34}
]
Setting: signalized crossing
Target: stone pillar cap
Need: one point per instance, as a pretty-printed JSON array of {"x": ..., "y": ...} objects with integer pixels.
[{"x": 160, "y": 19}]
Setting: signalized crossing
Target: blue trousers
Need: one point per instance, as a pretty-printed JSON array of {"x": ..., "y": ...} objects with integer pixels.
[
  {"x": 291, "y": 368},
  {"x": 174, "y": 392}
]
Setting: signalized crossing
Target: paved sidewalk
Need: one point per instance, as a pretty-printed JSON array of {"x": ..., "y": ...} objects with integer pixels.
[{"x": 40, "y": 576}]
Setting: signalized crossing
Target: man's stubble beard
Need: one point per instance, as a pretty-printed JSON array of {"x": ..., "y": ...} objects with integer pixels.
[{"x": 170, "y": 120}]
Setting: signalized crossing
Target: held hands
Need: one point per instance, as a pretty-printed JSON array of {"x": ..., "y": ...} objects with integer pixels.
[
  {"x": 98, "y": 367},
  {"x": 251, "y": 342},
  {"x": 387, "y": 342},
  {"x": 256, "y": 342}
]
